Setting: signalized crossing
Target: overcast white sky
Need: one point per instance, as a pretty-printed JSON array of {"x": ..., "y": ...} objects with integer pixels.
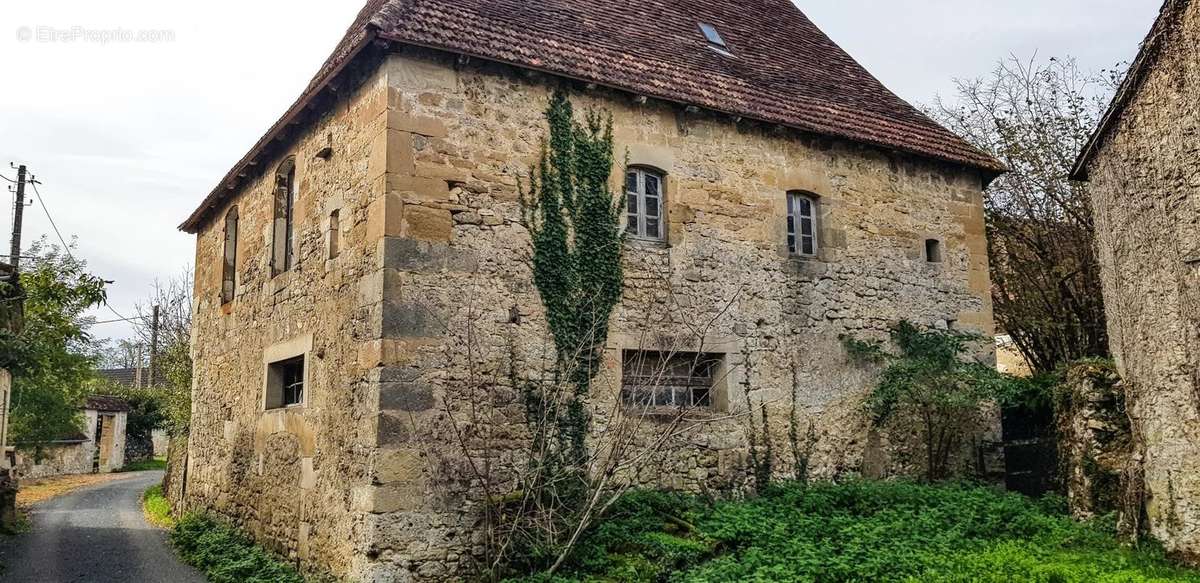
[{"x": 127, "y": 137}]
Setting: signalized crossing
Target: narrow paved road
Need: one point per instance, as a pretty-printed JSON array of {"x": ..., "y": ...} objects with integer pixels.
[{"x": 98, "y": 535}]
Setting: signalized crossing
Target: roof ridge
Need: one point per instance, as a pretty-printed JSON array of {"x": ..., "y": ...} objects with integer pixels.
[{"x": 783, "y": 69}]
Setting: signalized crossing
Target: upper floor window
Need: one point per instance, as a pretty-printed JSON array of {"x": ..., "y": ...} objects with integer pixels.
[
  {"x": 282, "y": 252},
  {"x": 229, "y": 268},
  {"x": 802, "y": 224},
  {"x": 644, "y": 203}
]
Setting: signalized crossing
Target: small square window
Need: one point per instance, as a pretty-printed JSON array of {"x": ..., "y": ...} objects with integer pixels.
[
  {"x": 285, "y": 383},
  {"x": 933, "y": 251}
]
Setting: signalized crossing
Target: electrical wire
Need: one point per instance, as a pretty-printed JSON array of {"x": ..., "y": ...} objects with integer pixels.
[
  {"x": 8, "y": 179},
  {"x": 66, "y": 247}
]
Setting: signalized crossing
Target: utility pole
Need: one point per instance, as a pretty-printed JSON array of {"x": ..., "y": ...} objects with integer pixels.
[
  {"x": 137, "y": 368},
  {"x": 154, "y": 347},
  {"x": 18, "y": 215}
]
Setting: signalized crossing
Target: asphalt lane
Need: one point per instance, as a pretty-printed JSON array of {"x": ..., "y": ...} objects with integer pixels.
[{"x": 95, "y": 535}]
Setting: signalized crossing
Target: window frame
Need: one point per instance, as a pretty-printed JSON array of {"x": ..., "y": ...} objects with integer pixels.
[
  {"x": 795, "y": 232},
  {"x": 287, "y": 383},
  {"x": 700, "y": 385},
  {"x": 284, "y": 236},
  {"x": 229, "y": 256},
  {"x": 639, "y": 219},
  {"x": 935, "y": 251}
]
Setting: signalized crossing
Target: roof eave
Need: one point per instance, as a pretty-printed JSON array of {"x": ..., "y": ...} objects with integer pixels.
[
  {"x": 230, "y": 182},
  {"x": 1128, "y": 87},
  {"x": 990, "y": 172}
]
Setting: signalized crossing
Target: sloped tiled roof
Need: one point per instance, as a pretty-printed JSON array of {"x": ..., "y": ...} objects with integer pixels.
[
  {"x": 1171, "y": 12},
  {"x": 782, "y": 70},
  {"x": 122, "y": 376},
  {"x": 106, "y": 403}
]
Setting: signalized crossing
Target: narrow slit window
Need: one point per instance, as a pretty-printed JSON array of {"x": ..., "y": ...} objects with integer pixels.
[
  {"x": 802, "y": 224},
  {"x": 283, "y": 254},
  {"x": 335, "y": 233},
  {"x": 933, "y": 251},
  {"x": 229, "y": 267},
  {"x": 644, "y": 204}
]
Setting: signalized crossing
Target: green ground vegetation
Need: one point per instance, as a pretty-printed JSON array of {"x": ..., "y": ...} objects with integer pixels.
[
  {"x": 157, "y": 463},
  {"x": 225, "y": 555},
  {"x": 156, "y": 508},
  {"x": 857, "y": 531}
]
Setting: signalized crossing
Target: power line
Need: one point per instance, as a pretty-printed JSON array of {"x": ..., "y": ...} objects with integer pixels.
[
  {"x": 8, "y": 179},
  {"x": 66, "y": 247},
  {"x": 116, "y": 321}
]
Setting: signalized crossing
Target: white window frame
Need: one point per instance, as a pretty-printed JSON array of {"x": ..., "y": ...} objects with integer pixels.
[
  {"x": 636, "y": 222},
  {"x": 796, "y": 220}
]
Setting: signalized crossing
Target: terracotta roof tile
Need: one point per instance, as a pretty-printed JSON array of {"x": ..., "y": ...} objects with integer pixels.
[
  {"x": 782, "y": 68},
  {"x": 106, "y": 404}
]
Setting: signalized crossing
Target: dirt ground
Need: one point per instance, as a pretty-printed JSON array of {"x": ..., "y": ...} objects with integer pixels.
[{"x": 34, "y": 491}]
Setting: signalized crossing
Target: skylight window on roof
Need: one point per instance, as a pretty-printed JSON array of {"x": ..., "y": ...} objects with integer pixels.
[{"x": 713, "y": 37}]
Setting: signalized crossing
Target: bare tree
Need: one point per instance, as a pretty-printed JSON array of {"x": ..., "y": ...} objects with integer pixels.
[{"x": 1035, "y": 116}]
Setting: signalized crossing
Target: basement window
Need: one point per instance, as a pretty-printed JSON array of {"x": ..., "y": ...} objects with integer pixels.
[
  {"x": 285, "y": 383},
  {"x": 682, "y": 380},
  {"x": 933, "y": 251}
]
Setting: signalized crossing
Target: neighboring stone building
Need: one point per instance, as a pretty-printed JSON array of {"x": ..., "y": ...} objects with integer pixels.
[
  {"x": 1144, "y": 175},
  {"x": 366, "y": 259},
  {"x": 98, "y": 448}
]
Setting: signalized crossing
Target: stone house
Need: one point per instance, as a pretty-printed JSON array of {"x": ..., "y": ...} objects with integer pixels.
[
  {"x": 98, "y": 448},
  {"x": 1144, "y": 182},
  {"x": 367, "y": 256}
]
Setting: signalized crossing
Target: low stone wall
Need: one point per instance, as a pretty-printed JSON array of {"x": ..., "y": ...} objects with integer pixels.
[
  {"x": 54, "y": 460},
  {"x": 1095, "y": 443}
]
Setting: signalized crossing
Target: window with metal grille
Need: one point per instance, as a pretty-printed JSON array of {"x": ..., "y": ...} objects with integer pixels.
[
  {"x": 802, "y": 223},
  {"x": 644, "y": 204},
  {"x": 285, "y": 383},
  {"x": 668, "y": 379}
]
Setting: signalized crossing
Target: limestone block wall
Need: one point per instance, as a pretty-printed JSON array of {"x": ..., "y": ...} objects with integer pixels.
[
  {"x": 460, "y": 309},
  {"x": 57, "y": 459},
  {"x": 286, "y": 475},
  {"x": 1145, "y": 188}
]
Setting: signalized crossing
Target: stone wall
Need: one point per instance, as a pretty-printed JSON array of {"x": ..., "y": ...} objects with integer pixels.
[
  {"x": 417, "y": 323},
  {"x": 54, "y": 459},
  {"x": 460, "y": 306},
  {"x": 1145, "y": 187},
  {"x": 286, "y": 474}
]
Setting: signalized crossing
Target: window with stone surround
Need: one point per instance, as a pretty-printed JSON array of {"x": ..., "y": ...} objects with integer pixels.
[
  {"x": 229, "y": 266},
  {"x": 682, "y": 380},
  {"x": 644, "y": 204},
  {"x": 282, "y": 252},
  {"x": 335, "y": 233},
  {"x": 802, "y": 223},
  {"x": 933, "y": 250},
  {"x": 285, "y": 383}
]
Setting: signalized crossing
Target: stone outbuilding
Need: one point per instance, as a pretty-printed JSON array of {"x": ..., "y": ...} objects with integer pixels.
[
  {"x": 98, "y": 448},
  {"x": 366, "y": 259},
  {"x": 1144, "y": 181}
]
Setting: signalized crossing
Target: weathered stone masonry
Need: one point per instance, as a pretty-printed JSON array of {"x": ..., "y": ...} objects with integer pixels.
[
  {"x": 1145, "y": 187},
  {"x": 364, "y": 479}
]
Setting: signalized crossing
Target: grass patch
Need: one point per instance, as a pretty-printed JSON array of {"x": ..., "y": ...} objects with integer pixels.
[
  {"x": 158, "y": 463},
  {"x": 156, "y": 508},
  {"x": 225, "y": 555},
  {"x": 858, "y": 531}
]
